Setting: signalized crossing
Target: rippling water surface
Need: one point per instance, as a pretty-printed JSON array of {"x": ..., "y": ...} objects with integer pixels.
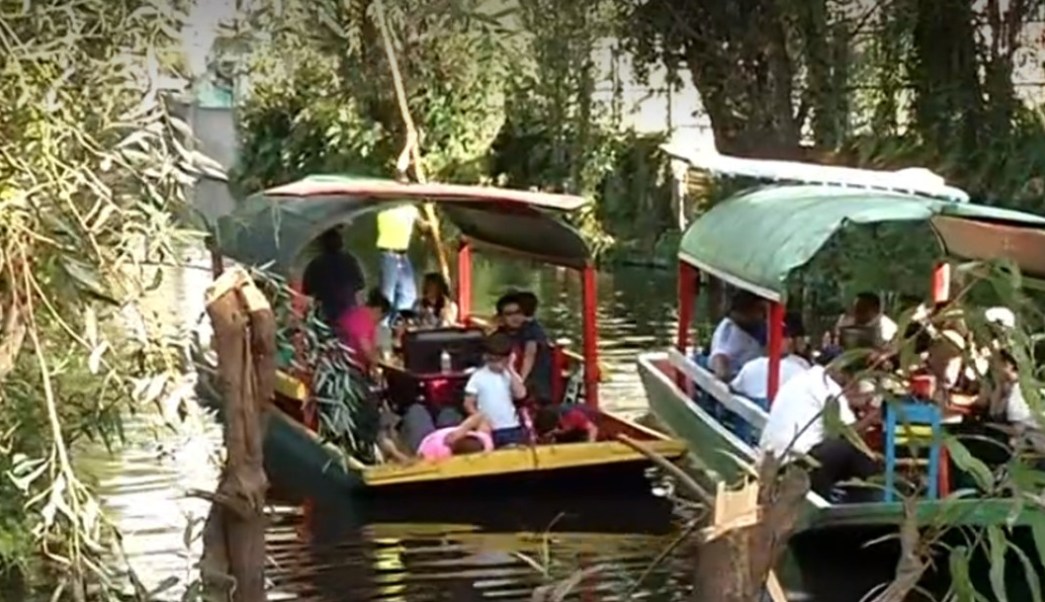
[{"x": 325, "y": 550}]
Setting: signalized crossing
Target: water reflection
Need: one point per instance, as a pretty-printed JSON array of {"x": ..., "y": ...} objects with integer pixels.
[
  {"x": 339, "y": 549},
  {"x": 450, "y": 561}
]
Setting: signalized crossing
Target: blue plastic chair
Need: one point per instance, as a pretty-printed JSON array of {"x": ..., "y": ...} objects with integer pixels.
[{"x": 907, "y": 416}]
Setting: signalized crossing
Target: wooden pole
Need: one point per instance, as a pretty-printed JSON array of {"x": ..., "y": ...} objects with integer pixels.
[
  {"x": 245, "y": 341},
  {"x": 412, "y": 148}
]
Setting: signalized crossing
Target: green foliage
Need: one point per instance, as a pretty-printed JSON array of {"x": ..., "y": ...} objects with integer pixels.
[
  {"x": 323, "y": 100},
  {"x": 93, "y": 169},
  {"x": 347, "y": 411},
  {"x": 513, "y": 105}
]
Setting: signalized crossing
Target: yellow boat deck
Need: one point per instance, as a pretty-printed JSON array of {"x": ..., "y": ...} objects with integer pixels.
[{"x": 534, "y": 459}]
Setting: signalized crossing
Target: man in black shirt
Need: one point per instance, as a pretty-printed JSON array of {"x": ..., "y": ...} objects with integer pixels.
[
  {"x": 516, "y": 311},
  {"x": 334, "y": 277}
]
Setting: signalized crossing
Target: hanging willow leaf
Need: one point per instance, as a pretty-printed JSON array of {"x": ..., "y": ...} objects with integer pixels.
[
  {"x": 961, "y": 456},
  {"x": 339, "y": 388},
  {"x": 998, "y": 545}
]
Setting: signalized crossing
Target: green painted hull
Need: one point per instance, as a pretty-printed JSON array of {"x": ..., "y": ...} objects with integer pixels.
[{"x": 830, "y": 543}]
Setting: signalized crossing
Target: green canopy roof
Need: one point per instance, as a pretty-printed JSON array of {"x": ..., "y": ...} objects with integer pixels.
[
  {"x": 275, "y": 227},
  {"x": 755, "y": 239}
]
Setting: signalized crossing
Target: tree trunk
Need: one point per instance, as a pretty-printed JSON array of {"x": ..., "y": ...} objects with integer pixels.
[
  {"x": 948, "y": 106},
  {"x": 735, "y": 564},
  {"x": 739, "y": 63},
  {"x": 245, "y": 341}
]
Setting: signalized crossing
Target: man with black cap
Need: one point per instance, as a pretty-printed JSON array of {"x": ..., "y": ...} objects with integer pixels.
[{"x": 753, "y": 377}]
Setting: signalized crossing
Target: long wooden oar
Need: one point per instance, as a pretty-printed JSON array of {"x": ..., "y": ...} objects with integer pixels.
[{"x": 412, "y": 149}]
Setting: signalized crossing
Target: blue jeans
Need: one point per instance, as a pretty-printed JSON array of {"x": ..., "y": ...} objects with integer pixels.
[
  {"x": 511, "y": 436},
  {"x": 397, "y": 280}
]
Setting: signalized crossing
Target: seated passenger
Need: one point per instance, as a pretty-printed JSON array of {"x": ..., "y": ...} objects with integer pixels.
[
  {"x": 516, "y": 312},
  {"x": 357, "y": 327},
  {"x": 796, "y": 425},
  {"x": 435, "y": 308},
  {"x": 867, "y": 311},
  {"x": 956, "y": 380},
  {"x": 564, "y": 424},
  {"x": 1006, "y": 402},
  {"x": 333, "y": 278},
  {"x": 493, "y": 390},
  {"x": 753, "y": 377},
  {"x": 734, "y": 343},
  {"x": 425, "y": 439}
]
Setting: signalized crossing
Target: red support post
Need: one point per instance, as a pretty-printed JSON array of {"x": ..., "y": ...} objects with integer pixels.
[
  {"x": 688, "y": 289},
  {"x": 591, "y": 333},
  {"x": 776, "y": 341},
  {"x": 464, "y": 281},
  {"x": 941, "y": 292}
]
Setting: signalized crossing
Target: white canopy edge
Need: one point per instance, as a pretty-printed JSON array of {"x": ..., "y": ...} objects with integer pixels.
[{"x": 917, "y": 180}]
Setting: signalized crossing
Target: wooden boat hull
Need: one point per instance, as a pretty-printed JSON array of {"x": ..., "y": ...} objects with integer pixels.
[
  {"x": 603, "y": 468},
  {"x": 830, "y": 544}
]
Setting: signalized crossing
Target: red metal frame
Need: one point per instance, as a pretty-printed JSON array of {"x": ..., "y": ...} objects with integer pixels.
[
  {"x": 559, "y": 365},
  {"x": 774, "y": 351},
  {"x": 688, "y": 289},
  {"x": 941, "y": 283},
  {"x": 591, "y": 334}
]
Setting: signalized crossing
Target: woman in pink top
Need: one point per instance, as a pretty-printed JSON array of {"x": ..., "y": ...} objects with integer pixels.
[
  {"x": 470, "y": 437},
  {"x": 357, "y": 327}
]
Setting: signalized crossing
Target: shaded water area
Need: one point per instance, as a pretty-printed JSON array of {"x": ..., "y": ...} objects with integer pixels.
[{"x": 426, "y": 549}]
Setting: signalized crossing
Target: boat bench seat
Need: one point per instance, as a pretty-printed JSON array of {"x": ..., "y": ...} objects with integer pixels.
[{"x": 743, "y": 416}]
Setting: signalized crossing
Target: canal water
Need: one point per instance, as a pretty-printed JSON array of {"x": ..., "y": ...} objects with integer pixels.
[{"x": 476, "y": 550}]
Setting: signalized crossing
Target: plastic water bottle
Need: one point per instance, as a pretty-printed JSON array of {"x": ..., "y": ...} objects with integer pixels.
[{"x": 445, "y": 363}]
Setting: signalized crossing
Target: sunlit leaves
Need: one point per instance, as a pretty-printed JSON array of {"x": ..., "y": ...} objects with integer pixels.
[{"x": 93, "y": 169}]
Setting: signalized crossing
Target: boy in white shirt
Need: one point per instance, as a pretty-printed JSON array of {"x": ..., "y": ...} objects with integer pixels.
[
  {"x": 753, "y": 379},
  {"x": 493, "y": 390},
  {"x": 796, "y": 424}
]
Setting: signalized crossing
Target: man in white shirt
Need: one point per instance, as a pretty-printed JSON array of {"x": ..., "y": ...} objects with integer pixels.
[
  {"x": 867, "y": 312},
  {"x": 1007, "y": 401},
  {"x": 733, "y": 344},
  {"x": 753, "y": 379},
  {"x": 796, "y": 425},
  {"x": 493, "y": 390}
]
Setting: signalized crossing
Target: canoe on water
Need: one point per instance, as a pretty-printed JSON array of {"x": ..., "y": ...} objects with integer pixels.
[
  {"x": 754, "y": 241},
  {"x": 274, "y": 229}
]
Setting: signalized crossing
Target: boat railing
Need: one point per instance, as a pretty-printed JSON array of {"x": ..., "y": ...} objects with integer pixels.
[
  {"x": 916, "y": 181},
  {"x": 746, "y": 409}
]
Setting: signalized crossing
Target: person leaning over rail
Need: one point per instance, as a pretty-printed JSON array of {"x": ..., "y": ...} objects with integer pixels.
[{"x": 796, "y": 426}]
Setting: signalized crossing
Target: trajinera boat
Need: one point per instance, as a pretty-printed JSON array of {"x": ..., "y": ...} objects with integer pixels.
[
  {"x": 755, "y": 241},
  {"x": 274, "y": 228}
]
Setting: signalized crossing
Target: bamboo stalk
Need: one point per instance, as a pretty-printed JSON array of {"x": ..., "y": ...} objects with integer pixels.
[{"x": 412, "y": 148}]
